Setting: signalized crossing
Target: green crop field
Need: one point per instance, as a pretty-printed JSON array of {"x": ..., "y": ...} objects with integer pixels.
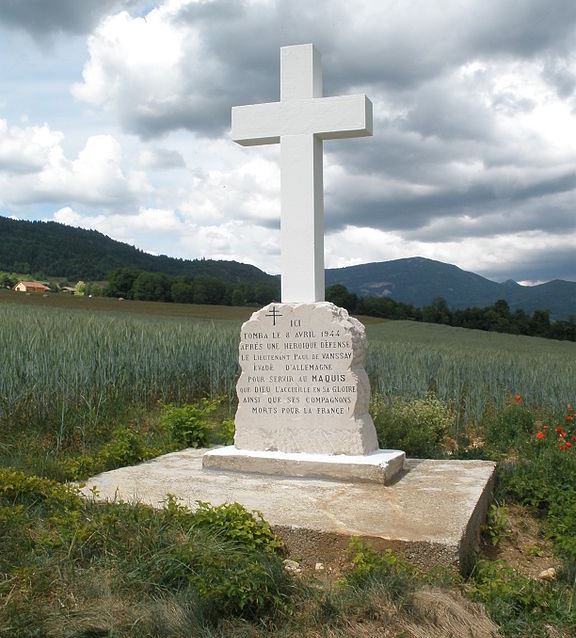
[
  {"x": 470, "y": 367},
  {"x": 66, "y": 360}
]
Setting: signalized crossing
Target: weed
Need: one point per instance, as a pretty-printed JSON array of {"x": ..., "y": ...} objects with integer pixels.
[
  {"x": 522, "y": 606},
  {"x": 188, "y": 424},
  {"x": 418, "y": 427},
  {"x": 497, "y": 525},
  {"x": 384, "y": 569}
]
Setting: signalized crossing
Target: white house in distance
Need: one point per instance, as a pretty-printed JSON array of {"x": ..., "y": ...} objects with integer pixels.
[{"x": 31, "y": 286}]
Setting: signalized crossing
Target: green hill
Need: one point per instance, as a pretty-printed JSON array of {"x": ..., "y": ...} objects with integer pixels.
[{"x": 49, "y": 249}]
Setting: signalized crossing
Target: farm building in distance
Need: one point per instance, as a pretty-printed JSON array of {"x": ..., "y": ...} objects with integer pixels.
[{"x": 31, "y": 286}]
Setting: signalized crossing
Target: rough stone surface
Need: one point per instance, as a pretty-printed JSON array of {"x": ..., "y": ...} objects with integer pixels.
[
  {"x": 303, "y": 386},
  {"x": 432, "y": 514},
  {"x": 380, "y": 467}
]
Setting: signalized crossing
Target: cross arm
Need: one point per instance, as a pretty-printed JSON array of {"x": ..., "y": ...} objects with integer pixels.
[{"x": 327, "y": 117}]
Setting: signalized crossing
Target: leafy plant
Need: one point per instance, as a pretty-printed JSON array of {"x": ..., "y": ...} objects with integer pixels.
[
  {"x": 522, "y": 606},
  {"x": 497, "y": 525},
  {"x": 188, "y": 424},
  {"x": 416, "y": 426},
  {"x": 237, "y": 524},
  {"x": 380, "y": 568}
]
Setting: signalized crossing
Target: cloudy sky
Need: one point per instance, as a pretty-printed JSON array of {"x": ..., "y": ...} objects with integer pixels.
[{"x": 115, "y": 115}]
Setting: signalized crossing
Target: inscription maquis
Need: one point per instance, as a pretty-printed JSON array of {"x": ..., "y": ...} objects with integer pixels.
[{"x": 295, "y": 368}]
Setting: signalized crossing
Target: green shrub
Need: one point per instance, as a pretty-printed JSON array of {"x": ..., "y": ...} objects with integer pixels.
[
  {"x": 508, "y": 426},
  {"x": 227, "y": 431},
  {"x": 238, "y": 524},
  {"x": 521, "y": 606},
  {"x": 126, "y": 447},
  {"x": 189, "y": 424},
  {"x": 56, "y": 546},
  {"x": 418, "y": 426},
  {"x": 372, "y": 568},
  {"x": 497, "y": 525}
]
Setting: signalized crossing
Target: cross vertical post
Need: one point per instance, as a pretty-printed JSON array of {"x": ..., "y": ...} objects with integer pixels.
[{"x": 300, "y": 122}]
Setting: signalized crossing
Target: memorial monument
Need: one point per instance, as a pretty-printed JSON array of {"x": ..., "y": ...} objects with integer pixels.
[{"x": 303, "y": 393}]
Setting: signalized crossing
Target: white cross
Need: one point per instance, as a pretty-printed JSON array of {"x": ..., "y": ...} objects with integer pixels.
[{"x": 300, "y": 122}]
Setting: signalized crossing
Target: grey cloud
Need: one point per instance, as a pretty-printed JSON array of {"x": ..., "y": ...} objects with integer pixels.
[
  {"x": 42, "y": 18},
  {"x": 412, "y": 212},
  {"x": 522, "y": 27},
  {"x": 539, "y": 265},
  {"x": 395, "y": 51},
  {"x": 559, "y": 218},
  {"x": 557, "y": 73},
  {"x": 450, "y": 115},
  {"x": 161, "y": 158}
]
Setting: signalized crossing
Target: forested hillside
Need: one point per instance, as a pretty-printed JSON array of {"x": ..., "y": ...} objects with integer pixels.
[{"x": 46, "y": 249}]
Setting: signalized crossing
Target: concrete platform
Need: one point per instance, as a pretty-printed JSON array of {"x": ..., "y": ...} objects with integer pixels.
[
  {"x": 432, "y": 513},
  {"x": 381, "y": 466}
]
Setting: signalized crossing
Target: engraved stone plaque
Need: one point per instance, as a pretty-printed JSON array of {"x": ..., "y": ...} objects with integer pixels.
[{"x": 303, "y": 386}]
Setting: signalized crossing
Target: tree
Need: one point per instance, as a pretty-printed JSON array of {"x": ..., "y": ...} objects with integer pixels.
[
  {"x": 340, "y": 296},
  {"x": 208, "y": 290},
  {"x": 120, "y": 283},
  {"x": 151, "y": 286},
  {"x": 437, "y": 312},
  {"x": 539, "y": 324},
  {"x": 182, "y": 292}
]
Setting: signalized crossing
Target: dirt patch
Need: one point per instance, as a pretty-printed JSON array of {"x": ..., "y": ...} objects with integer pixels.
[{"x": 523, "y": 546}]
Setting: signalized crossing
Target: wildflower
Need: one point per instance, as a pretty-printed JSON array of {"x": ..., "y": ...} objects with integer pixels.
[
  {"x": 540, "y": 435},
  {"x": 570, "y": 408},
  {"x": 559, "y": 430},
  {"x": 518, "y": 398},
  {"x": 570, "y": 418},
  {"x": 574, "y": 438}
]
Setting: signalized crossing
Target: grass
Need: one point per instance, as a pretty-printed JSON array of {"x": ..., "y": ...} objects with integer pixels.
[{"x": 85, "y": 391}]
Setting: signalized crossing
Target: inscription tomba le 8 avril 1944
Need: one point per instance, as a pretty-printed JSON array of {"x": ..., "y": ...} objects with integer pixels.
[{"x": 293, "y": 372}]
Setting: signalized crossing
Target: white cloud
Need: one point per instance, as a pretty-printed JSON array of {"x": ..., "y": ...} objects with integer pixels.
[
  {"x": 136, "y": 69},
  {"x": 26, "y": 149},
  {"x": 34, "y": 168}
]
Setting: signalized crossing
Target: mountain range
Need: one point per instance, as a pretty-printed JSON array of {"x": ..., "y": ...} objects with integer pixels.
[
  {"x": 51, "y": 249},
  {"x": 418, "y": 281}
]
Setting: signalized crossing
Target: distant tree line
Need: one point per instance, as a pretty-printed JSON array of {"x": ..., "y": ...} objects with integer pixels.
[
  {"x": 140, "y": 285},
  {"x": 495, "y": 318},
  {"x": 131, "y": 283}
]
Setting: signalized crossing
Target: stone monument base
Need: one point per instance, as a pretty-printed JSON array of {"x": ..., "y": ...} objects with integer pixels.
[
  {"x": 432, "y": 516},
  {"x": 382, "y": 466}
]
